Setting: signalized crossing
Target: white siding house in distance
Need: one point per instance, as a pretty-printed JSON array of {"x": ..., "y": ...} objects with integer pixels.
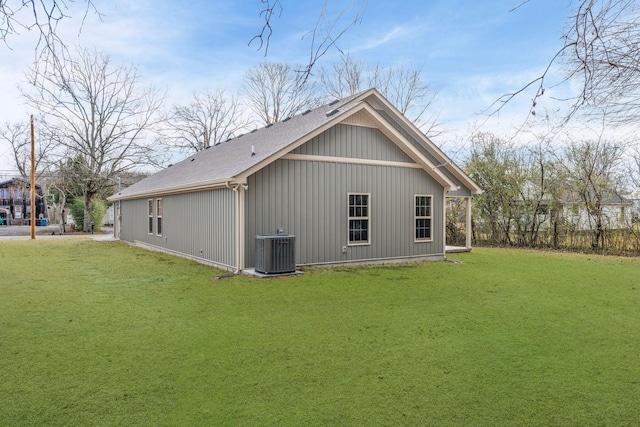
[{"x": 354, "y": 181}]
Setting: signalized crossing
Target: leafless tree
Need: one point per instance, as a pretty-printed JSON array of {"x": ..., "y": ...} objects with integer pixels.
[
  {"x": 18, "y": 136},
  {"x": 404, "y": 86},
  {"x": 492, "y": 164},
  {"x": 275, "y": 91},
  {"x": 344, "y": 78},
  {"x": 208, "y": 119},
  {"x": 98, "y": 113},
  {"x": 43, "y": 17},
  {"x": 594, "y": 171},
  {"x": 600, "y": 56},
  {"x": 323, "y": 37}
]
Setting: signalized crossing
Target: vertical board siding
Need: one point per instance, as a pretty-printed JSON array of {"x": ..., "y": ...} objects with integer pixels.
[
  {"x": 316, "y": 209},
  {"x": 462, "y": 191},
  {"x": 356, "y": 142},
  {"x": 199, "y": 224}
]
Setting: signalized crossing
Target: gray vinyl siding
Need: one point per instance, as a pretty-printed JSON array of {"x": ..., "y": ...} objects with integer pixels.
[
  {"x": 200, "y": 225},
  {"x": 462, "y": 191},
  {"x": 354, "y": 142},
  {"x": 134, "y": 214},
  {"x": 309, "y": 200}
]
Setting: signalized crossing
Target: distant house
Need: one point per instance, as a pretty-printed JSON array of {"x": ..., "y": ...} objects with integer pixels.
[
  {"x": 617, "y": 212},
  {"x": 15, "y": 203},
  {"x": 354, "y": 181},
  {"x": 571, "y": 211}
]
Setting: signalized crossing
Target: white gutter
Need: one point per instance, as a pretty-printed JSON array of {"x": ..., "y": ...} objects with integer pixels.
[{"x": 179, "y": 189}]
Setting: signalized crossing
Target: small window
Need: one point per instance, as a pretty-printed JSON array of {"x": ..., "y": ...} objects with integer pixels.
[
  {"x": 17, "y": 193},
  {"x": 159, "y": 217},
  {"x": 423, "y": 218},
  {"x": 359, "y": 219},
  {"x": 542, "y": 210},
  {"x": 150, "y": 231}
]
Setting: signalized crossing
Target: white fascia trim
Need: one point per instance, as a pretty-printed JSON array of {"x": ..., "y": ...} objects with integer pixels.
[
  {"x": 410, "y": 149},
  {"x": 337, "y": 118},
  {"x": 444, "y": 159},
  {"x": 186, "y": 188},
  {"x": 381, "y": 122}
]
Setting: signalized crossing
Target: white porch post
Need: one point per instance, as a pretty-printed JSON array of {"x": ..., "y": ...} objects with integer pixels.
[
  {"x": 468, "y": 227},
  {"x": 444, "y": 222}
]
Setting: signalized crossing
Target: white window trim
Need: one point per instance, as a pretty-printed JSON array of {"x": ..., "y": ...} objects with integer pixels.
[
  {"x": 368, "y": 218},
  {"x": 150, "y": 216},
  {"x": 416, "y": 217},
  {"x": 159, "y": 216}
]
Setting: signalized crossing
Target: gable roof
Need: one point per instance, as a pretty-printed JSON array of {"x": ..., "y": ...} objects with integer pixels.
[
  {"x": 18, "y": 182},
  {"x": 231, "y": 162}
]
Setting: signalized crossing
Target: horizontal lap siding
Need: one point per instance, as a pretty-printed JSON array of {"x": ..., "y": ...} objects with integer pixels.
[
  {"x": 199, "y": 224},
  {"x": 309, "y": 199}
]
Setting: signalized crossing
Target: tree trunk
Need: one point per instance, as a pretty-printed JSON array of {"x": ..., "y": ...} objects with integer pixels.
[{"x": 88, "y": 209}]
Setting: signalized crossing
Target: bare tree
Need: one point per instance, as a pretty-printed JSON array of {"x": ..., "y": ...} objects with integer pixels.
[
  {"x": 593, "y": 168},
  {"x": 492, "y": 165},
  {"x": 18, "y": 135},
  {"x": 404, "y": 86},
  {"x": 344, "y": 78},
  {"x": 600, "y": 56},
  {"x": 323, "y": 37},
  {"x": 275, "y": 91},
  {"x": 98, "y": 113},
  {"x": 208, "y": 119},
  {"x": 43, "y": 17}
]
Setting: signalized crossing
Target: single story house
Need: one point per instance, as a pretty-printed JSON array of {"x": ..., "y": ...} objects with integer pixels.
[
  {"x": 570, "y": 210},
  {"x": 353, "y": 180},
  {"x": 616, "y": 212}
]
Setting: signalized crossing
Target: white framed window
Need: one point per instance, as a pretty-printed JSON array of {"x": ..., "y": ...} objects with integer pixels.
[
  {"x": 150, "y": 226},
  {"x": 358, "y": 218},
  {"x": 159, "y": 217},
  {"x": 422, "y": 219}
]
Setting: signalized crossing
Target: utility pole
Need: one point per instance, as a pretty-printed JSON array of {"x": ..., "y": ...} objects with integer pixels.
[{"x": 32, "y": 217}]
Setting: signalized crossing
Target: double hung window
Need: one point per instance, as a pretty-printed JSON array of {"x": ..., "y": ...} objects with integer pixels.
[
  {"x": 155, "y": 216},
  {"x": 159, "y": 217},
  {"x": 359, "y": 230},
  {"x": 150, "y": 227},
  {"x": 423, "y": 218}
]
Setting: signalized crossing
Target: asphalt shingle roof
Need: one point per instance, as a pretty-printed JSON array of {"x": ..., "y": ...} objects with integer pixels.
[{"x": 229, "y": 159}]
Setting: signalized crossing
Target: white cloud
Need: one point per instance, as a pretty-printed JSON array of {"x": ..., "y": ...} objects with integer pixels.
[
  {"x": 393, "y": 34},
  {"x": 472, "y": 52}
]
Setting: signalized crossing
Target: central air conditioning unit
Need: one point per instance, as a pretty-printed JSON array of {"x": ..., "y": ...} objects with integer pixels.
[{"x": 275, "y": 254}]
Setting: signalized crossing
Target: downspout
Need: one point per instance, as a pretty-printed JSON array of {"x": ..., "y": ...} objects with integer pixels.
[{"x": 239, "y": 190}]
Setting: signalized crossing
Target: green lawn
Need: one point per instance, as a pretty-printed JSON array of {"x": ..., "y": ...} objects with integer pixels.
[{"x": 100, "y": 333}]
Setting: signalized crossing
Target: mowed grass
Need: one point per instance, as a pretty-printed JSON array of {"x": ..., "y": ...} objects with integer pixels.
[{"x": 101, "y": 333}]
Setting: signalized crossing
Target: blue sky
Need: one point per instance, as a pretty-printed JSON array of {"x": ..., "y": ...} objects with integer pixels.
[{"x": 471, "y": 51}]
